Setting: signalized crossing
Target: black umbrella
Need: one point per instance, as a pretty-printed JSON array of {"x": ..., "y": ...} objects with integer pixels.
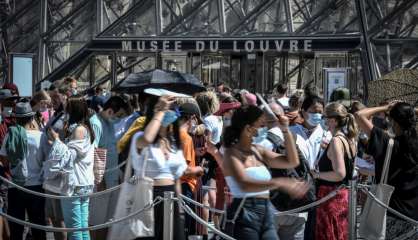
[{"x": 157, "y": 78}]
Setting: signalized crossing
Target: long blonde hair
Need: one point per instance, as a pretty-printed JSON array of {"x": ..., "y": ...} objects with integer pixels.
[
  {"x": 208, "y": 102},
  {"x": 345, "y": 120}
]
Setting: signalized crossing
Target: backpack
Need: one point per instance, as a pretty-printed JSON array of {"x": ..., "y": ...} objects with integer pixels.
[{"x": 282, "y": 201}]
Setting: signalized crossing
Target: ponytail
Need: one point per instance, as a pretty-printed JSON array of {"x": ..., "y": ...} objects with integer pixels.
[{"x": 352, "y": 127}]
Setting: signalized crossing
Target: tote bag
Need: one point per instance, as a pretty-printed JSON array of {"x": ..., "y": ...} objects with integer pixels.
[
  {"x": 373, "y": 217},
  {"x": 135, "y": 194}
]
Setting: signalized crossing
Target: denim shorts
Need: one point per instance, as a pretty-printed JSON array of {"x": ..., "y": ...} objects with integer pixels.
[{"x": 255, "y": 220}]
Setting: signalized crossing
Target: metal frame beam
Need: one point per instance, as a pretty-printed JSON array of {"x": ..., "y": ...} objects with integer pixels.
[
  {"x": 99, "y": 15},
  {"x": 370, "y": 65},
  {"x": 253, "y": 14},
  {"x": 159, "y": 16},
  {"x": 395, "y": 13},
  {"x": 222, "y": 17},
  {"x": 289, "y": 16},
  {"x": 322, "y": 14},
  {"x": 122, "y": 18},
  {"x": 43, "y": 28},
  {"x": 192, "y": 12},
  {"x": 64, "y": 21}
]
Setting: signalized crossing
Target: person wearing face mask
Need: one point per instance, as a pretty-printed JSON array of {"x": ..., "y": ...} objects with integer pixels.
[
  {"x": 40, "y": 103},
  {"x": 160, "y": 142},
  {"x": 311, "y": 131},
  {"x": 310, "y": 136},
  {"x": 71, "y": 84},
  {"x": 334, "y": 168},
  {"x": 246, "y": 173},
  {"x": 291, "y": 226},
  {"x": 190, "y": 117},
  {"x": 209, "y": 105},
  {"x": 403, "y": 168},
  {"x": 103, "y": 127}
]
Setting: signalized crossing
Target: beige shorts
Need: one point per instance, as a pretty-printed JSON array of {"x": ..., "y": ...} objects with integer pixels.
[{"x": 53, "y": 208}]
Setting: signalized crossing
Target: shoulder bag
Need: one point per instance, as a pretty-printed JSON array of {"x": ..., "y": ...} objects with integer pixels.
[
  {"x": 136, "y": 193},
  {"x": 373, "y": 217}
]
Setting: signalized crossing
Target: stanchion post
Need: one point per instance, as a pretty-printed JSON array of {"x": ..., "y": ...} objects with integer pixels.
[
  {"x": 168, "y": 215},
  {"x": 352, "y": 209}
]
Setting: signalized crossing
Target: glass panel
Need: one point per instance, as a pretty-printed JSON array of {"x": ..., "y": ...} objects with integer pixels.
[
  {"x": 141, "y": 22},
  {"x": 196, "y": 68},
  {"x": 215, "y": 69},
  {"x": 23, "y": 32},
  {"x": 58, "y": 10},
  {"x": 102, "y": 67},
  {"x": 112, "y": 10},
  {"x": 271, "y": 20},
  {"x": 58, "y": 52},
  {"x": 134, "y": 63},
  {"x": 320, "y": 17},
  {"x": 174, "y": 62},
  {"x": 82, "y": 74},
  {"x": 203, "y": 22}
]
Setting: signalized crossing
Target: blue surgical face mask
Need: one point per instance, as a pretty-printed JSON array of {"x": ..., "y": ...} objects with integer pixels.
[
  {"x": 261, "y": 135},
  {"x": 169, "y": 117},
  {"x": 314, "y": 119}
]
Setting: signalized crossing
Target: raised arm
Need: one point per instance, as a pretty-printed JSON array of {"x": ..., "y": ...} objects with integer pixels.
[
  {"x": 363, "y": 117},
  {"x": 275, "y": 160},
  {"x": 153, "y": 127}
]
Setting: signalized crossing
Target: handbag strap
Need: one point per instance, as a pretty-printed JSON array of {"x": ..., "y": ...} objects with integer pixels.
[
  {"x": 241, "y": 205},
  {"x": 128, "y": 167},
  {"x": 145, "y": 159},
  {"x": 386, "y": 165}
]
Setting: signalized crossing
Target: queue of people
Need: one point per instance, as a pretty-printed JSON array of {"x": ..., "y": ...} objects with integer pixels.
[{"x": 223, "y": 148}]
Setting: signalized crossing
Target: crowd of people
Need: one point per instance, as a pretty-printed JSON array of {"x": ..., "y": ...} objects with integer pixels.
[{"x": 227, "y": 149}]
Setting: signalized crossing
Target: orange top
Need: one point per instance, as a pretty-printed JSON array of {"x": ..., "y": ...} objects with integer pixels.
[{"x": 189, "y": 154}]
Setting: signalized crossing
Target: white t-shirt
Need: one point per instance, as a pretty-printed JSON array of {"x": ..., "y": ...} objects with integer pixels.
[
  {"x": 33, "y": 157},
  {"x": 311, "y": 146},
  {"x": 214, "y": 125}
]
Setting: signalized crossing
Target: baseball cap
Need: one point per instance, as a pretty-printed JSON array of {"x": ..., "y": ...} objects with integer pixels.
[
  {"x": 191, "y": 109},
  {"x": 342, "y": 96}
]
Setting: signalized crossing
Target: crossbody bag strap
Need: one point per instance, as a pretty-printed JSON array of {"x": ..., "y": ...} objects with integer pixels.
[
  {"x": 241, "y": 205},
  {"x": 386, "y": 165}
]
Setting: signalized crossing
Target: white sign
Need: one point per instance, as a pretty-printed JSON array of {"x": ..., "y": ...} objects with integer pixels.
[
  {"x": 334, "y": 78},
  {"x": 23, "y": 74}
]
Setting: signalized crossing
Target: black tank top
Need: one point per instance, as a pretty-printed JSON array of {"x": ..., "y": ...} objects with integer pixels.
[{"x": 325, "y": 165}]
